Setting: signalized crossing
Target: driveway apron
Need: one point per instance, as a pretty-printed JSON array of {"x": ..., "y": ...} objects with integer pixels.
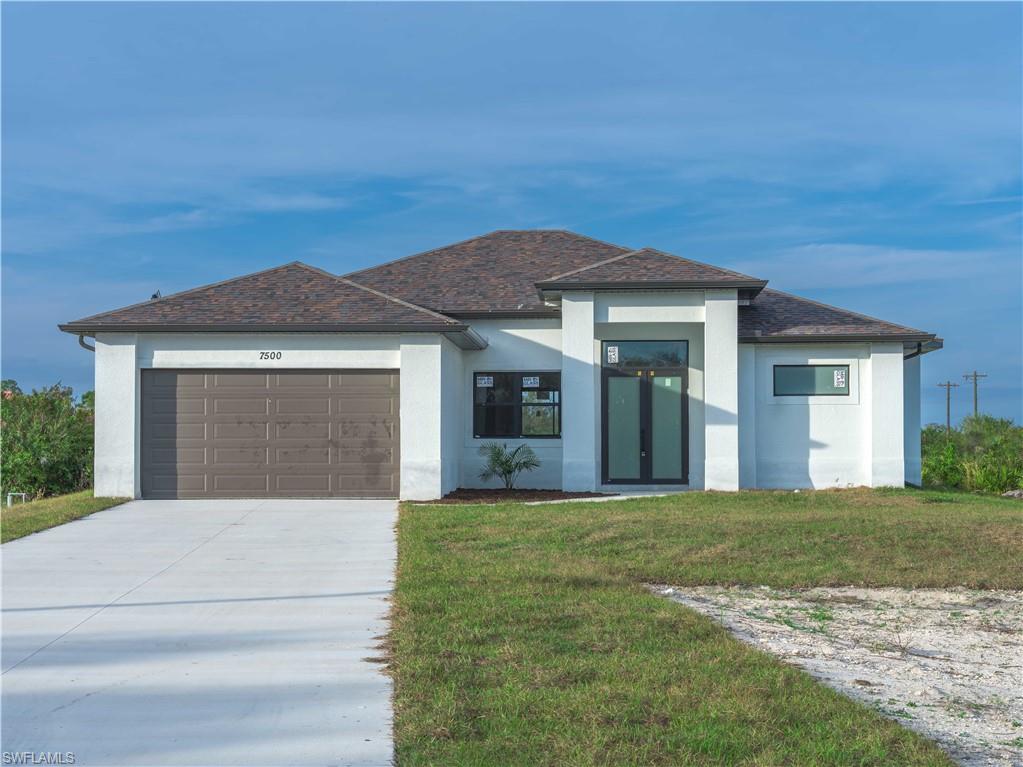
[{"x": 202, "y": 632}]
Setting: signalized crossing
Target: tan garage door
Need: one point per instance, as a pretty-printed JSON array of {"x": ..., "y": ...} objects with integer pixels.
[{"x": 257, "y": 433}]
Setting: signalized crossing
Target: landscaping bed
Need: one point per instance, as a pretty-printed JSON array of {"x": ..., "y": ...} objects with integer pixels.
[
  {"x": 472, "y": 496},
  {"x": 526, "y": 637}
]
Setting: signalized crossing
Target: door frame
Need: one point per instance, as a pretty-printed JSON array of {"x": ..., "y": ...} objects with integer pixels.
[{"x": 645, "y": 390}]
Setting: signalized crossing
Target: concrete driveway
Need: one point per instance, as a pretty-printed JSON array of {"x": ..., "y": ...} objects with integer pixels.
[{"x": 202, "y": 632}]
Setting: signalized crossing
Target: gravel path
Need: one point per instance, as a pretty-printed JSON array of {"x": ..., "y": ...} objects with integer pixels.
[{"x": 946, "y": 663}]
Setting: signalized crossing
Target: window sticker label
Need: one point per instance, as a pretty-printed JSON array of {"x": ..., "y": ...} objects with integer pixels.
[
  {"x": 840, "y": 378},
  {"x": 530, "y": 382},
  {"x": 484, "y": 382},
  {"x": 612, "y": 355}
]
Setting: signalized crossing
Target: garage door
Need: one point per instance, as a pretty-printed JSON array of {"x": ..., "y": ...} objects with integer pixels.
[{"x": 284, "y": 434}]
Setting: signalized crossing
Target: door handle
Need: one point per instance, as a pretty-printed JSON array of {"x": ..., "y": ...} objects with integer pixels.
[{"x": 642, "y": 443}]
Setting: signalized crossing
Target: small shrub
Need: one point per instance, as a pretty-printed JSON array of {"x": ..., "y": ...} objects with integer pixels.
[
  {"x": 46, "y": 441},
  {"x": 982, "y": 454},
  {"x": 507, "y": 464}
]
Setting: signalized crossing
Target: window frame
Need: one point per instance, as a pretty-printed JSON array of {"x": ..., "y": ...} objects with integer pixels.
[
  {"x": 517, "y": 403},
  {"x": 848, "y": 379}
]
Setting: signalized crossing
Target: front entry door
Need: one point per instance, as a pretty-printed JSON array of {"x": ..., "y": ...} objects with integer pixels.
[{"x": 645, "y": 413}]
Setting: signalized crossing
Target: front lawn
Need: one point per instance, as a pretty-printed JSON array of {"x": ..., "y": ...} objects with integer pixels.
[
  {"x": 25, "y": 518},
  {"x": 523, "y": 635}
]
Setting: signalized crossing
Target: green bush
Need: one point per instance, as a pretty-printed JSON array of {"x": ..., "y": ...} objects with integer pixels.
[
  {"x": 45, "y": 441},
  {"x": 983, "y": 454},
  {"x": 507, "y": 464}
]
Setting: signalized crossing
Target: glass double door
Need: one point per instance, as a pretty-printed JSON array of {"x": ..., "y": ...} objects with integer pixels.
[{"x": 644, "y": 434}]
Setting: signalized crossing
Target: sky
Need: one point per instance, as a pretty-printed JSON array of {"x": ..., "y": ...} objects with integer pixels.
[{"x": 864, "y": 155}]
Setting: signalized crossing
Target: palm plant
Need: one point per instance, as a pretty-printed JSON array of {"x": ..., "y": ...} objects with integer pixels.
[{"x": 507, "y": 464}]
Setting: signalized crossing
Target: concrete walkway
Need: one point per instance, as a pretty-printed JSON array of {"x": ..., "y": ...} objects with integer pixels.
[{"x": 202, "y": 632}]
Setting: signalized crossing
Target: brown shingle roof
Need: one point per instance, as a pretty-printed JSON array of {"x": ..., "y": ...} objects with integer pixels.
[
  {"x": 495, "y": 272},
  {"x": 774, "y": 315},
  {"x": 650, "y": 268},
  {"x": 293, "y": 296}
]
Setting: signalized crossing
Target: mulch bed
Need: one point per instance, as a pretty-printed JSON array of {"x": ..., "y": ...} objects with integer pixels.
[{"x": 469, "y": 495}]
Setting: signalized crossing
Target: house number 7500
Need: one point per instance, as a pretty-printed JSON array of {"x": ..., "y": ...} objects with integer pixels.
[{"x": 269, "y": 355}]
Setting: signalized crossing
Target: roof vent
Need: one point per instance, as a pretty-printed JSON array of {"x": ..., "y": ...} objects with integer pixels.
[{"x": 156, "y": 295}]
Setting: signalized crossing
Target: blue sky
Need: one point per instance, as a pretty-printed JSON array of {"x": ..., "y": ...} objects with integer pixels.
[{"x": 865, "y": 155}]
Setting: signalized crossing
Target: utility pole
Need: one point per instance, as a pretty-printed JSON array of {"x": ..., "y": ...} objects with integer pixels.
[
  {"x": 975, "y": 377},
  {"x": 948, "y": 386}
]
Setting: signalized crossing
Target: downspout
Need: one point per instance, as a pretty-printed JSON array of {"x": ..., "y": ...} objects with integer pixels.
[
  {"x": 917, "y": 353},
  {"x": 81, "y": 342}
]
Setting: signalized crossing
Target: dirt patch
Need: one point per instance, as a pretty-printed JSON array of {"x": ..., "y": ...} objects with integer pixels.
[
  {"x": 946, "y": 663},
  {"x": 468, "y": 495}
]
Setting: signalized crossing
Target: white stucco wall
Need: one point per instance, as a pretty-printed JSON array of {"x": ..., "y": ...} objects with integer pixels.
[
  {"x": 887, "y": 457},
  {"x": 452, "y": 415},
  {"x": 911, "y": 418},
  {"x": 747, "y": 416},
  {"x": 721, "y": 390},
  {"x": 580, "y": 421},
  {"x": 513, "y": 345},
  {"x": 118, "y": 399},
  {"x": 794, "y": 442}
]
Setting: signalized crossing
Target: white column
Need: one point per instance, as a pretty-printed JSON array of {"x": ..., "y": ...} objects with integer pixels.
[
  {"x": 721, "y": 390},
  {"x": 580, "y": 422},
  {"x": 421, "y": 427},
  {"x": 887, "y": 458},
  {"x": 911, "y": 413},
  {"x": 747, "y": 415},
  {"x": 118, "y": 417}
]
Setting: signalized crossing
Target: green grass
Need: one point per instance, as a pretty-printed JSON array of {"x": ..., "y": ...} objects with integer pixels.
[
  {"x": 522, "y": 635},
  {"x": 25, "y": 518}
]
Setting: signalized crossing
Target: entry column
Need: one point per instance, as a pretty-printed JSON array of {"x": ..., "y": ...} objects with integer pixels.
[
  {"x": 721, "y": 390},
  {"x": 580, "y": 422}
]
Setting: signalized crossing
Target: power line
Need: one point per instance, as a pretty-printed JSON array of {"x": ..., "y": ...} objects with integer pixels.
[
  {"x": 975, "y": 377},
  {"x": 948, "y": 386}
]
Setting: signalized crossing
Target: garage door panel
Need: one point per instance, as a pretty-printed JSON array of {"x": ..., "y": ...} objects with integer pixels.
[
  {"x": 306, "y": 405},
  {"x": 178, "y": 456},
  {"x": 219, "y": 433},
  {"x": 285, "y": 382},
  {"x": 240, "y": 380},
  {"x": 292, "y": 430},
  {"x": 241, "y": 483},
  {"x": 227, "y": 405},
  {"x": 235, "y": 430},
  {"x": 303, "y": 484},
  {"x": 241, "y": 456},
  {"x": 178, "y": 484}
]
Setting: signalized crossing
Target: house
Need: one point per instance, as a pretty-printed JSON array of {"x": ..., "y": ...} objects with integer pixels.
[{"x": 620, "y": 367}]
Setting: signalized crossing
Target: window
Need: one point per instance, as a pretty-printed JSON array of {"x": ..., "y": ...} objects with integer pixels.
[
  {"x": 811, "y": 380},
  {"x": 645, "y": 354},
  {"x": 516, "y": 405}
]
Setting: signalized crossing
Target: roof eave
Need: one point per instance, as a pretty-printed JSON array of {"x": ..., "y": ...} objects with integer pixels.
[
  {"x": 747, "y": 288},
  {"x": 927, "y": 339},
  {"x": 91, "y": 329}
]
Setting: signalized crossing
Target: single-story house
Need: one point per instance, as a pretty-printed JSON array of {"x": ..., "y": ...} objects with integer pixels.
[{"x": 619, "y": 367}]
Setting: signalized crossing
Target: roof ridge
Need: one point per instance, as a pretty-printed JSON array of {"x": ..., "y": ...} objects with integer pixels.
[
  {"x": 594, "y": 266},
  {"x": 704, "y": 263},
  {"x": 207, "y": 286},
  {"x": 654, "y": 251},
  {"x": 375, "y": 292},
  {"x": 844, "y": 311},
  {"x": 473, "y": 239}
]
